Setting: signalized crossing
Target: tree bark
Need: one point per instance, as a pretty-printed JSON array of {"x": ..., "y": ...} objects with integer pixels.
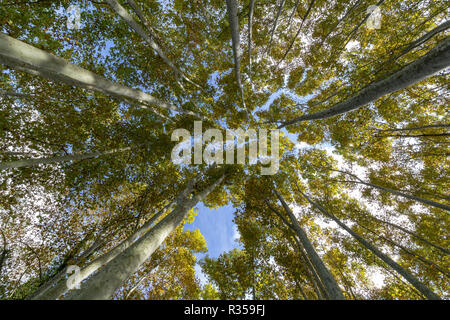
[
  {"x": 434, "y": 61},
  {"x": 250, "y": 32},
  {"x": 407, "y": 196},
  {"x": 19, "y": 55},
  {"x": 56, "y": 286},
  {"x": 115, "y": 5},
  {"x": 70, "y": 157},
  {"x": 236, "y": 43},
  {"x": 275, "y": 25},
  {"x": 328, "y": 280},
  {"x": 314, "y": 278},
  {"x": 103, "y": 284},
  {"x": 427, "y": 292},
  {"x": 60, "y": 288},
  {"x": 415, "y": 235},
  {"x": 298, "y": 32}
]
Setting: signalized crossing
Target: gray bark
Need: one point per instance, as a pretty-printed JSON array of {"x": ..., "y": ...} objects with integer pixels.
[
  {"x": 314, "y": 278},
  {"x": 236, "y": 43},
  {"x": 70, "y": 157},
  {"x": 431, "y": 126},
  {"x": 275, "y": 25},
  {"x": 407, "y": 196},
  {"x": 115, "y": 5},
  {"x": 52, "y": 289},
  {"x": 328, "y": 280},
  {"x": 250, "y": 32},
  {"x": 442, "y": 27},
  {"x": 415, "y": 235},
  {"x": 60, "y": 288},
  {"x": 294, "y": 10},
  {"x": 397, "y": 193},
  {"x": 103, "y": 284},
  {"x": 427, "y": 292},
  {"x": 19, "y": 55},
  {"x": 434, "y": 61},
  {"x": 298, "y": 32}
]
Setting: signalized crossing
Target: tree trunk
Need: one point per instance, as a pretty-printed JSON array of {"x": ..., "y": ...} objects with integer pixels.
[
  {"x": 408, "y": 196},
  {"x": 397, "y": 193},
  {"x": 298, "y": 32},
  {"x": 60, "y": 288},
  {"x": 434, "y": 61},
  {"x": 103, "y": 284},
  {"x": 70, "y": 157},
  {"x": 275, "y": 25},
  {"x": 314, "y": 277},
  {"x": 427, "y": 292},
  {"x": 115, "y": 5},
  {"x": 52, "y": 289},
  {"x": 236, "y": 43},
  {"x": 250, "y": 26},
  {"x": 412, "y": 234},
  {"x": 327, "y": 278},
  {"x": 19, "y": 55}
]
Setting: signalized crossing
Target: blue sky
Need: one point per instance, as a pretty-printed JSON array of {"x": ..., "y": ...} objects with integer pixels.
[
  {"x": 219, "y": 230},
  {"x": 216, "y": 225}
]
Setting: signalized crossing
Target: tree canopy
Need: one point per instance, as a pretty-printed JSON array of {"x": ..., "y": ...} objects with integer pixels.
[{"x": 86, "y": 175}]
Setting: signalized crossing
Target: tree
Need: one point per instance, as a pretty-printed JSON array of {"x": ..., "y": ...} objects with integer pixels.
[{"x": 87, "y": 179}]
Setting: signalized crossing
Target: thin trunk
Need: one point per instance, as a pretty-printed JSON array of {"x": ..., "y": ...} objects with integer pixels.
[
  {"x": 413, "y": 135},
  {"x": 294, "y": 10},
  {"x": 407, "y": 196},
  {"x": 300, "y": 289},
  {"x": 275, "y": 25},
  {"x": 52, "y": 288},
  {"x": 19, "y": 55},
  {"x": 446, "y": 251},
  {"x": 355, "y": 30},
  {"x": 103, "y": 284},
  {"x": 325, "y": 275},
  {"x": 147, "y": 25},
  {"x": 236, "y": 43},
  {"x": 314, "y": 277},
  {"x": 70, "y": 157},
  {"x": 339, "y": 21},
  {"x": 60, "y": 288},
  {"x": 139, "y": 282},
  {"x": 253, "y": 275},
  {"x": 411, "y": 253},
  {"x": 442, "y": 27},
  {"x": 4, "y": 252},
  {"x": 435, "y": 60},
  {"x": 298, "y": 32},
  {"x": 317, "y": 283},
  {"x": 250, "y": 31},
  {"x": 398, "y": 193},
  {"x": 115, "y": 5},
  {"x": 444, "y": 125},
  {"x": 394, "y": 265}
]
